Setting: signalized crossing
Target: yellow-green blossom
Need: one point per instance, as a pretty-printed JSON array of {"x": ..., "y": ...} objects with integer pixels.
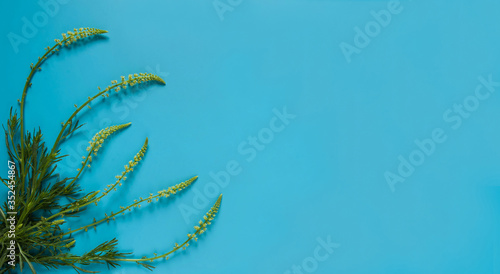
[
  {"x": 207, "y": 220},
  {"x": 99, "y": 137},
  {"x": 128, "y": 168},
  {"x": 174, "y": 189},
  {"x": 96, "y": 143},
  {"x": 77, "y": 34}
]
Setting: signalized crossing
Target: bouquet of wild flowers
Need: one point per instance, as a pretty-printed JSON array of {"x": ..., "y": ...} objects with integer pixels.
[{"x": 35, "y": 208}]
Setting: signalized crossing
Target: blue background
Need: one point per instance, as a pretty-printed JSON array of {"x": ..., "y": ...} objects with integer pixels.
[{"x": 323, "y": 175}]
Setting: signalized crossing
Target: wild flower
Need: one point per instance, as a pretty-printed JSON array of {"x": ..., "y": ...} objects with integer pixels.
[{"x": 40, "y": 190}]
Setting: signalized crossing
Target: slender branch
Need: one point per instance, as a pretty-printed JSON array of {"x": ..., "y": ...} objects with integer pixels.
[
  {"x": 117, "y": 86},
  {"x": 92, "y": 198},
  {"x": 26, "y": 259},
  {"x": 137, "y": 203},
  {"x": 4, "y": 182},
  {"x": 198, "y": 231},
  {"x": 67, "y": 40},
  {"x": 122, "y": 210}
]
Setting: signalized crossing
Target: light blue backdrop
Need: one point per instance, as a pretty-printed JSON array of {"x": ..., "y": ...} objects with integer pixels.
[{"x": 363, "y": 89}]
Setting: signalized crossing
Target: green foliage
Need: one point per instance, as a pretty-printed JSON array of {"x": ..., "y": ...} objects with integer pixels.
[{"x": 41, "y": 196}]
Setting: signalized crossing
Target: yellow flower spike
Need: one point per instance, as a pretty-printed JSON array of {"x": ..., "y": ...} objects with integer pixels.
[
  {"x": 96, "y": 143},
  {"x": 191, "y": 236},
  {"x": 100, "y": 136},
  {"x": 122, "y": 177},
  {"x": 136, "y": 79},
  {"x": 78, "y": 34}
]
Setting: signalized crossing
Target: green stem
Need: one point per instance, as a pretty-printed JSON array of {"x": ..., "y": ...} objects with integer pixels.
[
  {"x": 123, "y": 209},
  {"x": 34, "y": 68},
  {"x": 197, "y": 232},
  {"x": 26, "y": 259},
  {"x": 118, "y": 84},
  {"x": 58, "y": 139}
]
